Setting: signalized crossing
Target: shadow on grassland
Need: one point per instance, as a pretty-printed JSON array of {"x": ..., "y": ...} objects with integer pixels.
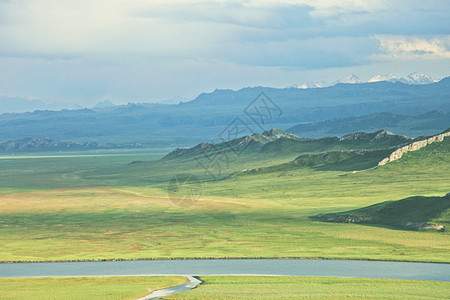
[{"x": 413, "y": 213}]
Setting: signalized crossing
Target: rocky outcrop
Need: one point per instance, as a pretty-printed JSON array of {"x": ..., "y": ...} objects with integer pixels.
[
  {"x": 372, "y": 136},
  {"x": 418, "y": 144},
  {"x": 278, "y": 133}
]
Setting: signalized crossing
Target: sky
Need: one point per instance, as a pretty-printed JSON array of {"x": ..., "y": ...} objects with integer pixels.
[{"x": 86, "y": 51}]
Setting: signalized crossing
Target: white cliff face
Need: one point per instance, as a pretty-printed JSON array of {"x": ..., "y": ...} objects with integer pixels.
[{"x": 413, "y": 147}]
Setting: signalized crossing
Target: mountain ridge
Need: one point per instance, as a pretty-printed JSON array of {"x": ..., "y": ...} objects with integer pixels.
[
  {"x": 189, "y": 123},
  {"x": 410, "y": 125},
  {"x": 279, "y": 141}
]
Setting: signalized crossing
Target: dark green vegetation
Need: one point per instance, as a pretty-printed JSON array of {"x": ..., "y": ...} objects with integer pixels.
[
  {"x": 283, "y": 287},
  {"x": 116, "y": 207},
  {"x": 201, "y": 119},
  {"x": 416, "y": 213},
  {"x": 71, "y": 288},
  {"x": 350, "y": 160},
  {"x": 409, "y": 125}
]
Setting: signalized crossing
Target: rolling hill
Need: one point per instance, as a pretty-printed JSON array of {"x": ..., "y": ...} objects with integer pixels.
[{"x": 362, "y": 151}]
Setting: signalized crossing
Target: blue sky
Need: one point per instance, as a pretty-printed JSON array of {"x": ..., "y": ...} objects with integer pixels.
[{"x": 141, "y": 51}]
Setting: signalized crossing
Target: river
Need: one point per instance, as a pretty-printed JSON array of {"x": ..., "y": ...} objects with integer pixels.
[{"x": 286, "y": 267}]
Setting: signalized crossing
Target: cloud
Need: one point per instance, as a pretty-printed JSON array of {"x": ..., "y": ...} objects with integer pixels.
[
  {"x": 413, "y": 48},
  {"x": 81, "y": 46},
  {"x": 189, "y": 28}
]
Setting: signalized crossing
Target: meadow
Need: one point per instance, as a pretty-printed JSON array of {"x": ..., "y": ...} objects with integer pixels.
[
  {"x": 71, "y": 288},
  {"x": 221, "y": 287},
  {"x": 115, "y": 206},
  {"x": 286, "y": 287}
]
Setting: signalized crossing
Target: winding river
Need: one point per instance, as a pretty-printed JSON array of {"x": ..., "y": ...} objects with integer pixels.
[{"x": 283, "y": 267}]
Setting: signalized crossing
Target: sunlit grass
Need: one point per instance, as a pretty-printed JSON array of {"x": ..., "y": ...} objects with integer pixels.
[
  {"x": 122, "y": 287},
  {"x": 285, "y": 287}
]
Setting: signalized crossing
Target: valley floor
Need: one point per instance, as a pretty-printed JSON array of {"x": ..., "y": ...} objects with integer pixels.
[{"x": 91, "y": 208}]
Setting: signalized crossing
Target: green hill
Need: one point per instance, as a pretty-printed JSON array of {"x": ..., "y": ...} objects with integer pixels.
[
  {"x": 280, "y": 143},
  {"x": 276, "y": 149},
  {"x": 275, "y": 152},
  {"x": 413, "y": 213}
]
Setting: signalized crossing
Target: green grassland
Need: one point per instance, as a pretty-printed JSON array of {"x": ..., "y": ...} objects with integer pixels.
[
  {"x": 286, "y": 287},
  {"x": 122, "y": 287},
  {"x": 117, "y": 207},
  {"x": 221, "y": 287}
]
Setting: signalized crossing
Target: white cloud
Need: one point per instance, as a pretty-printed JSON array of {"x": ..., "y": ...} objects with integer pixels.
[{"x": 413, "y": 48}]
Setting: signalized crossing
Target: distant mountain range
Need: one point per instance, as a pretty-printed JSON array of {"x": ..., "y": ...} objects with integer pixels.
[
  {"x": 103, "y": 104},
  {"x": 21, "y": 105},
  {"x": 205, "y": 117},
  {"x": 413, "y": 78},
  {"x": 409, "y": 125},
  {"x": 52, "y": 145}
]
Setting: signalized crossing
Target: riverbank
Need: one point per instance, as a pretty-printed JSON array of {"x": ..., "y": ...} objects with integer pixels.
[{"x": 220, "y": 258}]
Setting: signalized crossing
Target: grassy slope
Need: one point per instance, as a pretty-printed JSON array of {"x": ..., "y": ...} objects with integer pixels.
[
  {"x": 68, "y": 288},
  {"x": 51, "y": 210},
  {"x": 410, "y": 213},
  {"x": 269, "y": 287}
]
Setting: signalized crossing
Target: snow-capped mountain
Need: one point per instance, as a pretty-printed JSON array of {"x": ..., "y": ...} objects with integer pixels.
[
  {"x": 313, "y": 85},
  {"x": 417, "y": 78},
  {"x": 413, "y": 78},
  {"x": 352, "y": 78},
  {"x": 385, "y": 77}
]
